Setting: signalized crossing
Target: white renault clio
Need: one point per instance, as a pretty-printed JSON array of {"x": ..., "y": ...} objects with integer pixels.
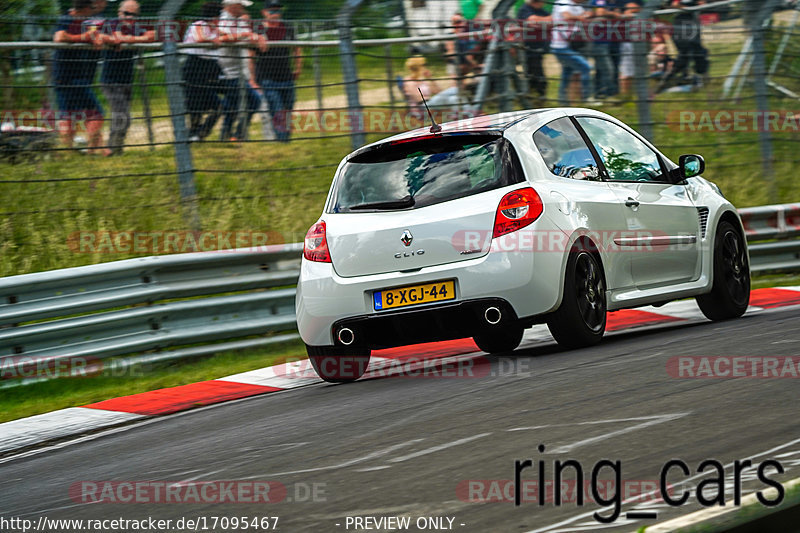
[{"x": 490, "y": 225}]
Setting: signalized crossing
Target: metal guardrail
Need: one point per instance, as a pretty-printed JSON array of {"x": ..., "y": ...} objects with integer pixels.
[
  {"x": 129, "y": 306},
  {"x": 772, "y": 222},
  {"x": 184, "y": 305}
]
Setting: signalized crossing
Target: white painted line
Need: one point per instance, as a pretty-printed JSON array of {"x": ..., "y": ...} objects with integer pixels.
[
  {"x": 538, "y": 332},
  {"x": 569, "y": 447},
  {"x": 373, "y": 455},
  {"x": 284, "y": 376},
  {"x": 596, "y": 422},
  {"x": 57, "y": 424},
  {"x": 687, "y": 309},
  {"x": 438, "y": 448},
  {"x": 712, "y": 512}
]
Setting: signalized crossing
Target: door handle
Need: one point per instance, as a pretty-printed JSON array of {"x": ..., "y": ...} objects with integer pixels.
[{"x": 630, "y": 202}]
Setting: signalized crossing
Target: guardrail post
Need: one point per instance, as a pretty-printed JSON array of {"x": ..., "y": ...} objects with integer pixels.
[{"x": 349, "y": 72}]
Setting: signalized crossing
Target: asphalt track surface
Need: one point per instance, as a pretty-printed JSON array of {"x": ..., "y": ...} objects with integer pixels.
[{"x": 408, "y": 446}]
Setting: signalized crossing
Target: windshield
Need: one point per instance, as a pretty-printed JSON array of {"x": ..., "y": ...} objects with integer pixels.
[{"x": 409, "y": 175}]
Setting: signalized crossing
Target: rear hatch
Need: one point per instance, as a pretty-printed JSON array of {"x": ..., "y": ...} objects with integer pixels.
[{"x": 418, "y": 202}]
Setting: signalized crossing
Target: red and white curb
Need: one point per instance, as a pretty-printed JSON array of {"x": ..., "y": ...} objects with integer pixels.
[{"x": 63, "y": 423}]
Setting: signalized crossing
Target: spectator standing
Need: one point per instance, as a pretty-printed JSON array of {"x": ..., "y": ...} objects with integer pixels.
[
  {"x": 74, "y": 69},
  {"x": 566, "y": 15},
  {"x": 201, "y": 73},
  {"x": 688, "y": 39},
  {"x": 462, "y": 53},
  {"x": 627, "y": 63},
  {"x": 605, "y": 75},
  {"x": 277, "y": 69},
  {"x": 237, "y": 67},
  {"x": 117, "y": 74},
  {"x": 533, "y": 12}
]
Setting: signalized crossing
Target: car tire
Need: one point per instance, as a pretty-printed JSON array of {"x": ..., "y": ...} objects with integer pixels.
[
  {"x": 336, "y": 364},
  {"x": 580, "y": 320},
  {"x": 730, "y": 293},
  {"x": 500, "y": 340}
]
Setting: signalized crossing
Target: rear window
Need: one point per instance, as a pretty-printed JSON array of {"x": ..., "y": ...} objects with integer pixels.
[{"x": 413, "y": 174}]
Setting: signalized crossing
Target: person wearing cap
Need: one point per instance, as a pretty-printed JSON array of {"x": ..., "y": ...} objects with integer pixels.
[
  {"x": 277, "y": 69},
  {"x": 236, "y": 65}
]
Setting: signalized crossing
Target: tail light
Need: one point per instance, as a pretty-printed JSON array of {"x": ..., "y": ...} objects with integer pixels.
[
  {"x": 315, "y": 247},
  {"x": 517, "y": 209}
]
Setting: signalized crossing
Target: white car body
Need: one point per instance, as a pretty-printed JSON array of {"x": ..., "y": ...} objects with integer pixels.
[{"x": 657, "y": 250}]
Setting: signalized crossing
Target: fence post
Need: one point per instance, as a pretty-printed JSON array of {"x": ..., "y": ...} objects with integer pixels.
[
  {"x": 177, "y": 111},
  {"x": 759, "y": 12},
  {"x": 183, "y": 153},
  {"x": 317, "y": 80},
  {"x": 349, "y": 72},
  {"x": 389, "y": 74},
  {"x": 641, "y": 74},
  {"x": 148, "y": 116}
]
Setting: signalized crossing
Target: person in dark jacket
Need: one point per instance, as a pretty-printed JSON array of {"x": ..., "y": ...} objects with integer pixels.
[
  {"x": 74, "y": 69},
  {"x": 688, "y": 39},
  {"x": 533, "y": 11},
  {"x": 277, "y": 69}
]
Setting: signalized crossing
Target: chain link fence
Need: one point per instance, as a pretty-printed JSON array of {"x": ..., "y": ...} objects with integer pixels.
[{"x": 212, "y": 133}]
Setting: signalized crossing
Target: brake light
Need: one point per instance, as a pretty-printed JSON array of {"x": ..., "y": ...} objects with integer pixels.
[
  {"x": 517, "y": 209},
  {"x": 315, "y": 247}
]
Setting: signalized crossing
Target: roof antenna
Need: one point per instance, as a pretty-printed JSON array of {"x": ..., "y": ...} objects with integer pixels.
[{"x": 435, "y": 128}]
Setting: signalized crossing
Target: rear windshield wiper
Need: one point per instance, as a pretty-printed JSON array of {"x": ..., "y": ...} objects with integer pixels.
[{"x": 403, "y": 203}]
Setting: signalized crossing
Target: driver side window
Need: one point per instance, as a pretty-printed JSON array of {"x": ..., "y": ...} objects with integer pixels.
[{"x": 624, "y": 155}]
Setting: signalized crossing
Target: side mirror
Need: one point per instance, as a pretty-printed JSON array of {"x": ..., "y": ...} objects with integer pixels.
[{"x": 691, "y": 165}]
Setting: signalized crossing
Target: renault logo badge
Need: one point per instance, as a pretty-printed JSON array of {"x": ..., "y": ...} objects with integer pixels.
[{"x": 407, "y": 238}]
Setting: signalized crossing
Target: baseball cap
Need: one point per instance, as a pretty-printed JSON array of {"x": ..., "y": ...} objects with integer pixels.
[
  {"x": 273, "y": 4},
  {"x": 245, "y": 3}
]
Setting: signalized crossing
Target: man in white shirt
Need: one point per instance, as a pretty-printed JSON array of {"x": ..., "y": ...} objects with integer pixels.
[
  {"x": 236, "y": 64},
  {"x": 568, "y": 15}
]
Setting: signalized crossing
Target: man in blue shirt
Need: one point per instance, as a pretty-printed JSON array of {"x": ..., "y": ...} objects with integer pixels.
[{"x": 73, "y": 74}]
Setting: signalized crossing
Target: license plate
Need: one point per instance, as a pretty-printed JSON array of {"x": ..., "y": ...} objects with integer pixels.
[{"x": 439, "y": 291}]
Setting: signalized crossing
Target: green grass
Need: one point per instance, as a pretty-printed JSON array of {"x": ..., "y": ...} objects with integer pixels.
[{"x": 43, "y": 397}]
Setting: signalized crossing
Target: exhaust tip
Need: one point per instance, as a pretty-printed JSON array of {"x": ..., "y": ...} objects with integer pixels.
[
  {"x": 492, "y": 315},
  {"x": 346, "y": 336}
]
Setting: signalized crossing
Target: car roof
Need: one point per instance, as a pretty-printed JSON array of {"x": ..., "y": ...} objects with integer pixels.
[
  {"x": 495, "y": 123},
  {"x": 490, "y": 124}
]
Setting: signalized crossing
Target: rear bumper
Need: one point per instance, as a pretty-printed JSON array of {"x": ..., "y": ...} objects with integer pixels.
[
  {"x": 527, "y": 283},
  {"x": 445, "y": 322}
]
